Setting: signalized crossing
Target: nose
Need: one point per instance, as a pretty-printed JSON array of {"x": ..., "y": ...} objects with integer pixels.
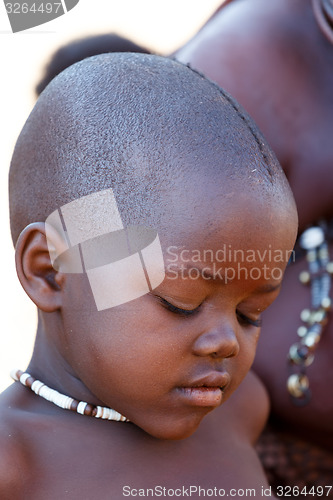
[{"x": 219, "y": 342}]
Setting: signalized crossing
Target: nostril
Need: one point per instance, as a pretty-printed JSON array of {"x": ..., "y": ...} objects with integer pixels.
[
  {"x": 217, "y": 343},
  {"x": 224, "y": 356},
  {"x": 233, "y": 353}
]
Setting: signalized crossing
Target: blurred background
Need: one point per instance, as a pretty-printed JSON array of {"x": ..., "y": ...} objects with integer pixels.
[{"x": 159, "y": 26}]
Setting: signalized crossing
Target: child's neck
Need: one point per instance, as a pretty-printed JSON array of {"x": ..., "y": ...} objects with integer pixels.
[{"x": 49, "y": 365}]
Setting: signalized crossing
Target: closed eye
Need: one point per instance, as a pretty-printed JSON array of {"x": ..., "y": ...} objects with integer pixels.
[
  {"x": 242, "y": 318},
  {"x": 246, "y": 321},
  {"x": 178, "y": 310}
]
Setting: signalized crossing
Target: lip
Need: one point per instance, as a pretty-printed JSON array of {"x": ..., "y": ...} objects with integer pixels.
[{"x": 207, "y": 391}]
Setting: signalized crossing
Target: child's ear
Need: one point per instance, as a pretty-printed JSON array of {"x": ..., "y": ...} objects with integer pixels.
[{"x": 39, "y": 279}]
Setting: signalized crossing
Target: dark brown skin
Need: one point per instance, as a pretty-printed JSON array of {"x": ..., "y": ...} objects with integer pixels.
[
  {"x": 280, "y": 70},
  {"x": 56, "y": 454},
  {"x": 135, "y": 357},
  {"x": 274, "y": 59}
]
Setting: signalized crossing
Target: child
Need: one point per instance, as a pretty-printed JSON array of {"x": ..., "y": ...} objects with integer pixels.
[
  {"x": 122, "y": 141},
  {"x": 276, "y": 58}
]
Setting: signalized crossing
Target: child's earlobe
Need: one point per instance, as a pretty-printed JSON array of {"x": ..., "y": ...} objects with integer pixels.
[{"x": 40, "y": 280}]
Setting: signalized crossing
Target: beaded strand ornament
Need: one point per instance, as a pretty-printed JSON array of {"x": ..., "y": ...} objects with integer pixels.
[
  {"x": 301, "y": 354},
  {"x": 66, "y": 402}
]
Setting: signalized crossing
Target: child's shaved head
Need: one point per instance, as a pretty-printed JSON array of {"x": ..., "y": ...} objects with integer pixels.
[{"x": 148, "y": 127}]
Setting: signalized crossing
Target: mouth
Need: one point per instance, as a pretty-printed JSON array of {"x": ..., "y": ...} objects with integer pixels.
[{"x": 206, "y": 392}]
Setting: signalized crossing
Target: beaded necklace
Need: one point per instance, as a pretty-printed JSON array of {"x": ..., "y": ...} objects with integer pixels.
[
  {"x": 301, "y": 354},
  {"x": 66, "y": 402},
  {"x": 323, "y": 12}
]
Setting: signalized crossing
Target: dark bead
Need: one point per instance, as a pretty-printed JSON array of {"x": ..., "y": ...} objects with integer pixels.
[
  {"x": 88, "y": 409},
  {"x": 303, "y": 352},
  {"x": 74, "y": 405},
  {"x": 29, "y": 382}
]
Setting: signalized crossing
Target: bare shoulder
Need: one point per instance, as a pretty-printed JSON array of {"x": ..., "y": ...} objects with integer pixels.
[
  {"x": 247, "y": 409},
  {"x": 218, "y": 49},
  {"x": 12, "y": 457},
  {"x": 11, "y": 464}
]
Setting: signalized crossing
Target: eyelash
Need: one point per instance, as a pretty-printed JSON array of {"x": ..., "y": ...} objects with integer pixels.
[
  {"x": 192, "y": 312},
  {"x": 177, "y": 310},
  {"x": 247, "y": 321}
]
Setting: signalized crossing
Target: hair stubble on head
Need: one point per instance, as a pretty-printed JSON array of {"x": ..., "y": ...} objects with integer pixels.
[{"x": 139, "y": 124}]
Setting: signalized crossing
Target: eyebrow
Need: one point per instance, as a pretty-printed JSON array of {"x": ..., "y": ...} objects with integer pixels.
[{"x": 266, "y": 288}]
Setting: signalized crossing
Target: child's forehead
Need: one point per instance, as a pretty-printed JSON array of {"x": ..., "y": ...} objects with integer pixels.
[{"x": 88, "y": 236}]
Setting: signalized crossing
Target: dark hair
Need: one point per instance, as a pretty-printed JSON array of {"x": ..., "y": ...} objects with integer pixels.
[{"x": 78, "y": 50}]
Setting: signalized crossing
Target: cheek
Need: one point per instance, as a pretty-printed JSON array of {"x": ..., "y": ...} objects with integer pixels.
[
  {"x": 243, "y": 361},
  {"x": 249, "y": 347},
  {"x": 126, "y": 351}
]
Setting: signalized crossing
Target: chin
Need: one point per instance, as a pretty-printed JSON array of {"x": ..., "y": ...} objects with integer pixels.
[{"x": 174, "y": 430}]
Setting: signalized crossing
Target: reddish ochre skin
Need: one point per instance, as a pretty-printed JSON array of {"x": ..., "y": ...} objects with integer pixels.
[
  {"x": 50, "y": 453},
  {"x": 137, "y": 358},
  {"x": 272, "y": 57}
]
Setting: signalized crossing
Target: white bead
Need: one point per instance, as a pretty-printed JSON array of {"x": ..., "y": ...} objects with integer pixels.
[
  {"x": 24, "y": 377},
  {"x": 54, "y": 398},
  {"x": 69, "y": 402},
  {"x": 297, "y": 385},
  {"x": 113, "y": 415},
  {"x": 64, "y": 401},
  {"x": 36, "y": 386},
  {"x": 49, "y": 394},
  {"x": 14, "y": 376},
  {"x": 81, "y": 407},
  {"x": 312, "y": 238},
  {"x": 116, "y": 416},
  {"x": 45, "y": 393},
  {"x": 110, "y": 414},
  {"x": 106, "y": 413},
  {"x": 57, "y": 399}
]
